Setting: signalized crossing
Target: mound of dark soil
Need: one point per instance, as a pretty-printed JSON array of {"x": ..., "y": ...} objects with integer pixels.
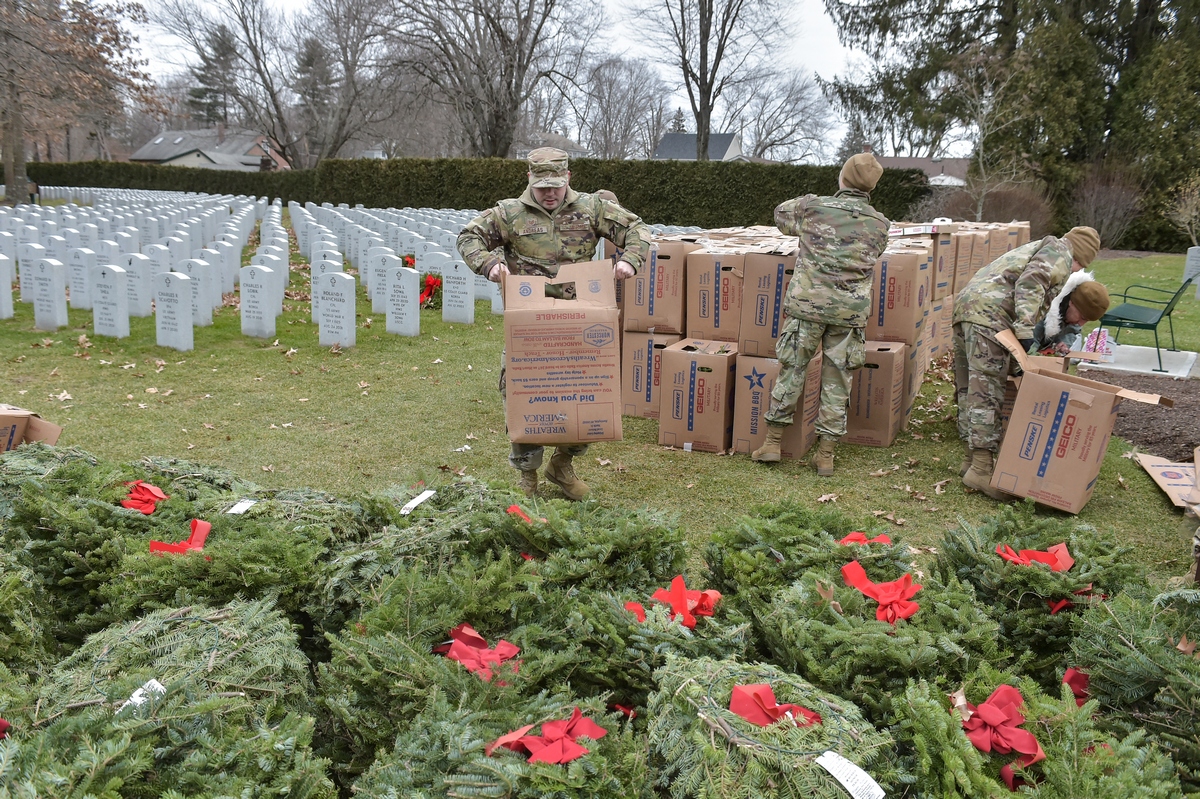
[{"x": 1171, "y": 433}]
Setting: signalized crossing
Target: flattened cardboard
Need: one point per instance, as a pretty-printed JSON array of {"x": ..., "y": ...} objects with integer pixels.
[
  {"x": 641, "y": 372},
  {"x": 764, "y": 287},
  {"x": 877, "y": 396},
  {"x": 752, "y": 398},
  {"x": 1177, "y": 480},
  {"x": 714, "y": 295},
  {"x": 20, "y": 426},
  {"x": 655, "y": 298},
  {"x": 562, "y": 357},
  {"x": 696, "y": 411}
]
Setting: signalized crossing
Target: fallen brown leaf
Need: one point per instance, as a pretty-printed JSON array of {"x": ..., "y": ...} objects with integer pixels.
[
  {"x": 604, "y": 461},
  {"x": 1121, "y": 482},
  {"x": 336, "y": 349},
  {"x": 269, "y": 468},
  {"x": 290, "y": 352},
  {"x": 63, "y": 397},
  {"x": 208, "y": 426},
  {"x": 828, "y": 498},
  {"x": 1185, "y": 646}
]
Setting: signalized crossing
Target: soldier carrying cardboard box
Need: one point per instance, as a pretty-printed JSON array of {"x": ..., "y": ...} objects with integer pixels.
[
  {"x": 1013, "y": 292},
  {"x": 841, "y": 238},
  {"x": 549, "y": 225}
]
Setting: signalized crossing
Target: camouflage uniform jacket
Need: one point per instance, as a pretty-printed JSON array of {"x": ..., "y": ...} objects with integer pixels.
[
  {"x": 841, "y": 238},
  {"x": 536, "y": 241},
  {"x": 1015, "y": 290}
]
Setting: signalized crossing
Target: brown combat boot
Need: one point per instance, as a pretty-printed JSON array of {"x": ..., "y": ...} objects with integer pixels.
[
  {"x": 966, "y": 462},
  {"x": 979, "y": 476},
  {"x": 769, "y": 452},
  {"x": 823, "y": 460},
  {"x": 529, "y": 482},
  {"x": 562, "y": 474}
]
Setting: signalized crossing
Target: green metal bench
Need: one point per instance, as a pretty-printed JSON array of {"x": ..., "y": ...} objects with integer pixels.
[{"x": 1142, "y": 317}]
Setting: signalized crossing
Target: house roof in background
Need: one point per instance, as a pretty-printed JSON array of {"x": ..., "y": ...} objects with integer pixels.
[
  {"x": 932, "y": 167},
  {"x": 682, "y": 146},
  {"x": 171, "y": 144}
]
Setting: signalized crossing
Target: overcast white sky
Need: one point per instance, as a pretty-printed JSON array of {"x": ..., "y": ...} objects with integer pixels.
[{"x": 814, "y": 47}]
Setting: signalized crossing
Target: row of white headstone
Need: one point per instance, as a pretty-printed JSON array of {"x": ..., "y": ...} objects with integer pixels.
[{"x": 110, "y": 276}]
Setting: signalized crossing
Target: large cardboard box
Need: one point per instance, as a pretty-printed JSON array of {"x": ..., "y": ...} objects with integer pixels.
[
  {"x": 563, "y": 358},
  {"x": 19, "y": 426},
  {"x": 876, "y": 395},
  {"x": 714, "y": 295},
  {"x": 641, "y": 372},
  {"x": 764, "y": 287},
  {"x": 963, "y": 241},
  {"x": 916, "y": 364},
  {"x": 696, "y": 411},
  {"x": 752, "y": 398},
  {"x": 1057, "y": 434},
  {"x": 900, "y": 299},
  {"x": 655, "y": 296}
]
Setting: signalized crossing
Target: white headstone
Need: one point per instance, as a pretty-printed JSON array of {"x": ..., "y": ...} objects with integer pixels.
[
  {"x": 173, "y": 311},
  {"x": 138, "y": 271},
  {"x": 28, "y": 257},
  {"x": 1191, "y": 267},
  {"x": 79, "y": 275},
  {"x": 202, "y": 276},
  {"x": 110, "y": 301},
  {"x": 279, "y": 273},
  {"x": 318, "y": 269},
  {"x": 490, "y": 290},
  {"x": 377, "y": 267},
  {"x": 256, "y": 288},
  {"x": 8, "y": 268},
  {"x": 458, "y": 294},
  {"x": 56, "y": 247},
  {"x": 403, "y": 293},
  {"x": 230, "y": 268},
  {"x": 337, "y": 309},
  {"x": 48, "y": 288},
  {"x": 108, "y": 252}
]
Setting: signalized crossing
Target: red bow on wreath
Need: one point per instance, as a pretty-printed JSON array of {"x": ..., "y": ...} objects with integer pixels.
[
  {"x": 1056, "y": 557},
  {"x": 1078, "y": 681},
  {"x": 4, "y": 728},
  {"x": 756, "y": 704},
  {"x": 200, "y": 531},
  {"x": 996, "y": 726},
  {"x": 893, "y": 597},
  {"x": 556, "y": 744},
  {"x": 861, "y": 538},
  {"x": 410, "y": 261},
  {"x": 143, "y": 497},
  {"x": 470, "y": 649},
  {"x": 432, "y": 284},
  {"x": 684, "y": 603}
]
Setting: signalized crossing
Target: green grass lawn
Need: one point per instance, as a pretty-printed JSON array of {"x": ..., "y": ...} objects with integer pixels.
[{"x": 399, "y": 410}]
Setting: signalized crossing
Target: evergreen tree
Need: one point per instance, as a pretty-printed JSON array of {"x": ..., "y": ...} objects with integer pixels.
[
  {"x": 678, "y": 125},
  {"x": 853, "y": 142},
  {"x": 212, "y": 99}
]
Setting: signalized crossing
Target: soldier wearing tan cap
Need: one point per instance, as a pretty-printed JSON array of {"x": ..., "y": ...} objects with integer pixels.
[
  {"x": 840, "y": 239},
  {"x": 550, "y": 224},
  {"x": 1013, "y": 293}
]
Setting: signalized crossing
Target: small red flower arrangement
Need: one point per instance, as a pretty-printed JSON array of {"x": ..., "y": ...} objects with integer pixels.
[{"x": 432, "y": 290}]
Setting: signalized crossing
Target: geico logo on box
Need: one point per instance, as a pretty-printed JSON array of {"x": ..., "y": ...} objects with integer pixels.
[
  {"x": 891, "y": 292},
  {"x": 657, "y": 369},
  {"x": 724, "y": 294},
  {"x": 1064, "y": 439},
  {"x": 700, "y": 395}
]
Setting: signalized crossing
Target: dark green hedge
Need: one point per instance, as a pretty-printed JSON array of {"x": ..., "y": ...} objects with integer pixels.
[
  {"x": 296, "y": 185},
  {"x": 712, "y": 194}
]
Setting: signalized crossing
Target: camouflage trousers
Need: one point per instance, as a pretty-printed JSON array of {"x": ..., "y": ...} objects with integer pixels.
[
  {"x": 844, "y": 350},
  {"x": 528, "y": 457},
  {"x": 980, "y": 376}
]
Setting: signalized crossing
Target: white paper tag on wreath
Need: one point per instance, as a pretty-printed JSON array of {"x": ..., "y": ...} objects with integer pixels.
[
  {"x": 853, "y": 779},
  {"x": 412, "y": 504}
]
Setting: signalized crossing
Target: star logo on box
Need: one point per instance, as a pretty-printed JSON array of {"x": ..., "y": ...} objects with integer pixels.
[{"x": 755, "y": 377}]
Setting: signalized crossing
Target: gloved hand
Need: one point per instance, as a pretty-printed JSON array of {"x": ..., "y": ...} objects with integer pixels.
[
  {"x": 1026, "y": 344},
  {"x": 623, "y": 270}
]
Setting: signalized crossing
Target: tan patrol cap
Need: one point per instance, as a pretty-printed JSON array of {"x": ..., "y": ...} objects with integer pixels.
[{"x": 547, "y": 168}]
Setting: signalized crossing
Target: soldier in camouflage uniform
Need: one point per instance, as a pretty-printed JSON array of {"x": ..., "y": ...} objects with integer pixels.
[
  {"x": 549, "y": 225},
  {"x": 1013, "y": 292},
  {"x": 841, "y": 238}
]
